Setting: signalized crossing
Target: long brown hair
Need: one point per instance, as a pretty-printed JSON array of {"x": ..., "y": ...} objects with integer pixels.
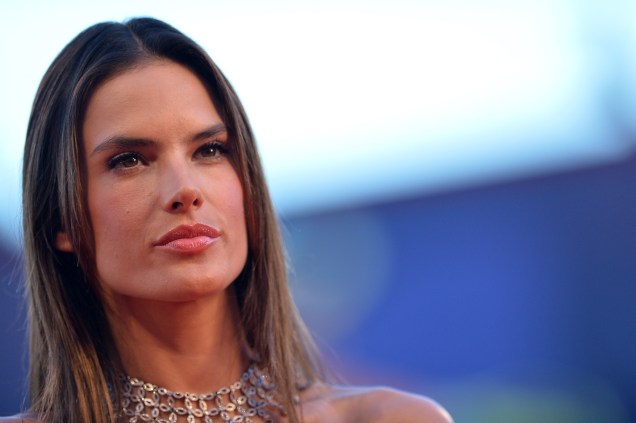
[{"x": 72, "y": 358}]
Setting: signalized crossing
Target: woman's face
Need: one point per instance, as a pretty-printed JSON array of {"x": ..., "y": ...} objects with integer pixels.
[{"x": 164, "y": 199}]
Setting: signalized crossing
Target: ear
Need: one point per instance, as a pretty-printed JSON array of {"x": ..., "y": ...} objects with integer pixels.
[{"x": 62, "y": 242}]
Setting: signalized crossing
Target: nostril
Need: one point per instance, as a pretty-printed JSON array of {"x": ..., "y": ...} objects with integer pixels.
[{"x": 184, "y": 199}]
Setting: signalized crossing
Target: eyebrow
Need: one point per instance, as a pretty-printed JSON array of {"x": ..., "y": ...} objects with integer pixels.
[{"x": 120, "y": 142}]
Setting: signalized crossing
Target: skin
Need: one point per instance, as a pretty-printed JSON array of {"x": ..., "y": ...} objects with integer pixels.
[{"x": 137, "y": 192}]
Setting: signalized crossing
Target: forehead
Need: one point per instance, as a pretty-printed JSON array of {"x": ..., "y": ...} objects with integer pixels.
[{"x": 158, "y": 97}]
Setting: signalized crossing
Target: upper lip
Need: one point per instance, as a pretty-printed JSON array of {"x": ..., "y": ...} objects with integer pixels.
[{"x": 188, "y": 231}]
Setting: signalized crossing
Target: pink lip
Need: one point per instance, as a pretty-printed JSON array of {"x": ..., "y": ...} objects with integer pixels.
[{"x": 188, "y": 238}]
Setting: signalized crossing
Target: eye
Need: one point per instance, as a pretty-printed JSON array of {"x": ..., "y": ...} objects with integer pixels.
[
  {"x": 211, "y": 150},
  {"x": 125, "y": 161}
]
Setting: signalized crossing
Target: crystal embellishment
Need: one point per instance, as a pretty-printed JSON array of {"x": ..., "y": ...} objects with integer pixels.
[{"x": 253, "y": 395}]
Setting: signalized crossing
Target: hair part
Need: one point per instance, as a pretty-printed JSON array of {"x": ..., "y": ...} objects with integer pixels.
[{"x": 72, "y": 355}]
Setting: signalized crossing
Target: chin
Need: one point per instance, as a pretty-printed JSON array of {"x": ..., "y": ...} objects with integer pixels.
[
  {"x": 170, "y": 288},
  {"x": 193, "y": 290}
]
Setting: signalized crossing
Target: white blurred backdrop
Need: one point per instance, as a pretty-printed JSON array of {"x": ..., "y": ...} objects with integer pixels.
[{"x": 357, "y": 101}]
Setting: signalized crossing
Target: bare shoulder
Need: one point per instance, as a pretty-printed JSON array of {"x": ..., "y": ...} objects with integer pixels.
[
  {"x": 369, "y": 405},
  {"x": 389, "y": 405}
]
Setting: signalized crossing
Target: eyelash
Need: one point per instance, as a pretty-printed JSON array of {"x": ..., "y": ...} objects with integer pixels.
[
  {"x": 219, "y": 147},
  {"x": 117, "y": 162}
]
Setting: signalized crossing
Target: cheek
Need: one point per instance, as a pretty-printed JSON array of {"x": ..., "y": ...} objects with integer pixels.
[
  {"x": 235, "y": 212},
  {"x": 115, "y": 211},
  {"x": 238, "y": 209}
]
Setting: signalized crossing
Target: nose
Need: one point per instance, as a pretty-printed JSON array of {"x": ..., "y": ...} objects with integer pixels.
[{"x": 181, "y": 191}]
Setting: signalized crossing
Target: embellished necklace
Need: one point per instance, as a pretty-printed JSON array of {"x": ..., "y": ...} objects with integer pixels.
[{"x": 252, "y": 395}]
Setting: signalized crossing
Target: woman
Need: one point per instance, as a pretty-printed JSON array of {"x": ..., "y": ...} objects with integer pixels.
[{"x": 152, "y": 253}]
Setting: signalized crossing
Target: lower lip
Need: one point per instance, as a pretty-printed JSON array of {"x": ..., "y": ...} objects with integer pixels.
[{"x": 189, "y": 245}]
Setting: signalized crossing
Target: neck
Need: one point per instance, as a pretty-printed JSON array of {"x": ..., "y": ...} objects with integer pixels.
[{"x": 193, "y": 346}]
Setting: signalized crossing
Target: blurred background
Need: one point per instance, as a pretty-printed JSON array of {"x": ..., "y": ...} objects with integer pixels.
[{"x": 456, "y": 181}]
